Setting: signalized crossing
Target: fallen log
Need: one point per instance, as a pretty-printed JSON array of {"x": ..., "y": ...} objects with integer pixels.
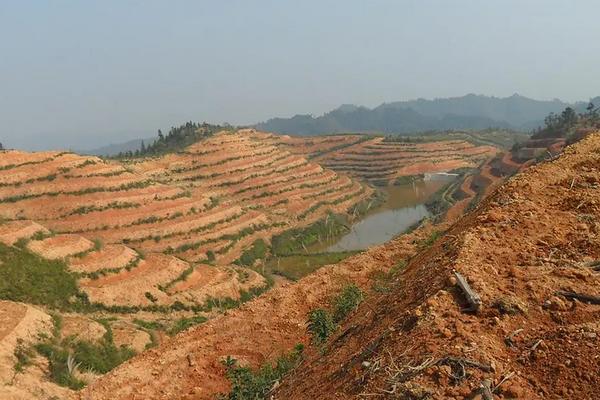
[
  {"x": 579, "y": 296},
  {"x": 472, "y": 297}
]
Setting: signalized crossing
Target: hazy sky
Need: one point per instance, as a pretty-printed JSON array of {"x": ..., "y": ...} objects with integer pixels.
[{"x": 84, "y": 73}]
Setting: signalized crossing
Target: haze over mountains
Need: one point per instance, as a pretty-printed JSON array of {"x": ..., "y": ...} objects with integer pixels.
[
  {"x": 467, "y": 112},
  {"x": 405, "y": 117}
]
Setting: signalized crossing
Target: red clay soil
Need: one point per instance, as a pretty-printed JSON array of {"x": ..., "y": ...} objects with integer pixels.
[
  {"x": 536, "y": 235},
  {"x": 189, "y": 365}
]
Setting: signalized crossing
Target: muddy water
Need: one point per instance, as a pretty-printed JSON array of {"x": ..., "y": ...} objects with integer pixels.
[{"x": 404, "y": 206}]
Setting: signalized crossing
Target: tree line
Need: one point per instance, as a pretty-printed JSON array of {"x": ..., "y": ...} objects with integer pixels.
[{"x": 176, "y": 139}]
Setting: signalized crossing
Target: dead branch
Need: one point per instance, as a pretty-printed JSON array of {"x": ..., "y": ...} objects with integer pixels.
[
  {"x": 507, "y": 377},
  {"x": 579, "y": 296},
  {"x": 472, "y": 297},
  {"x": 509, "y": 339}
]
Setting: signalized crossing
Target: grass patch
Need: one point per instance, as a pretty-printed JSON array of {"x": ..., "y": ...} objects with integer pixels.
[
  {"x": 296, "y": 240},
  {"x": 247, "y": 384},
  {"x": 258, "y": 251},
  {"x": 297, "y": 266},
  {"x": 185, "y": 323},
  {"x": 347, "y": 302},
  {"x": 429, "y": 241},
  {"x": 150, "y": 325},
  {"x": 28, "y": 278}
]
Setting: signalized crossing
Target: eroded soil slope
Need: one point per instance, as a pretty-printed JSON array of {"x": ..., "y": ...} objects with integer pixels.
[
  {"x": 190, "y": 365},
  {"x": 531, "y": 243}
]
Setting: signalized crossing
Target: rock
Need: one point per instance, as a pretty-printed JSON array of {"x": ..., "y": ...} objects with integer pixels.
[
  {"x": 514, "y": 391},
  {"x": 366, "y": 364},
  {"x": 590, "y": 335}
]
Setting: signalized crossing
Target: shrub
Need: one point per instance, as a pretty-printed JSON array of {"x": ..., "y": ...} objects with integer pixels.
[
  {"x": 429, "y": 241},
  {"x": 320, "y": 325},
  {"x": 210, "y": 256},
  {"x": 247, "y": 384},
  {"x": 23, "y": 354},
  {"x": 101, "y": 357},
  {"x": 67, "y": 356},
  {"x": 347, "y": 302},
  {"x": 150, "y": 297},
  {"x": 152, "y": 325}
]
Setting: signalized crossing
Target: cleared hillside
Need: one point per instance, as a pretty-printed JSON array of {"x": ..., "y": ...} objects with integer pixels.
[
  {"x": 129, "y": 252},
  {"x": 534, "y": 236},
  {"x": 530, "y": 253},
  {"x": 385, "y": 161},
  {"x": 218, "y": 195}
]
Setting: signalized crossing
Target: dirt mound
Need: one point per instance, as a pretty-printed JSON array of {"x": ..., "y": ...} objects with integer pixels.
[
  {"x": 60, "y": 246},
  {"x": 81, "y": 327},
  {"x": 12, "y": 231},
  {"x": 527, "y": 256}
]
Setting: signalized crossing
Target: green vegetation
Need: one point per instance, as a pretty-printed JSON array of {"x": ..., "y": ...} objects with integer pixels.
[
  {"x": 347, "y": 302},
  {"x": 176, "y": 140},
  {"x": 113, "y": 205},
  {"x": 24, "y": 354},
  {"x": 382, "y": 281},
  {"x": 247, "y": 384},
  {"x": 297, "y": 266},
  {"x": 89, "y": 190},
  {"x": 68, "y": 356},
  {"x": 321, "y": 322},
  {"x": 210, "y": 256},
  {"x": 149, "y": 325},
  {"x": 320, "y": 325},
  {"x": 185, "y": 323},
  {"x": 29, "y": 278},
  {"x": 258, "y": 251},
  {"x": 565, "y": 124},
  {"x": 296, "y": 240},
  {"x": 429, "y": 241},
  {"x": 503, "y": 138}
]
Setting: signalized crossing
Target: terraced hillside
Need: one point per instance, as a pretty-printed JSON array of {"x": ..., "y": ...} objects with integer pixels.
[
  {"x": 128, "y": 252},
  {"x": 217, "y": 196},
  {"x": 530, "y": 251},
  {"x": 383, "y": 161}
]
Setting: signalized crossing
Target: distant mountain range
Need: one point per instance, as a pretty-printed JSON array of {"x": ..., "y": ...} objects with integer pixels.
[{"x": 466, "y": 112}]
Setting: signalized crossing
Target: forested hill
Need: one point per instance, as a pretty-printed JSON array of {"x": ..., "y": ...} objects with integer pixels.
[{"x": 466, "y": 112}]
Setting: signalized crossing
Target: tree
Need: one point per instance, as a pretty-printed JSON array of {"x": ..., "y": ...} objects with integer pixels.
[
  {"x": 568, "y": 117},
  {"x": 1, "y": 147}
]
